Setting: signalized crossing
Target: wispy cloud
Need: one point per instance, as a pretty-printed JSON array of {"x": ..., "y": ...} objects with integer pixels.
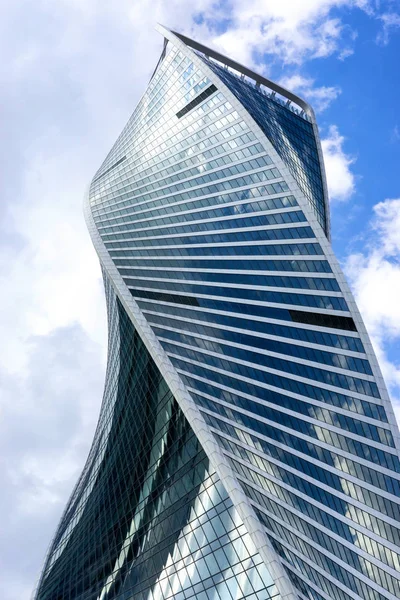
[
  {"x": 395, "y": 135},
  {"x": 320, "y": 97},
  {"x": 341, "y": 179},
  {"x": 390, "y": 22},
  {"x": 374, "y": 275}
]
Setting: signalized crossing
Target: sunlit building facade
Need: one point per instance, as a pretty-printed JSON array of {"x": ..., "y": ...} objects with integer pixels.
[{"x": 246, "y": 445}]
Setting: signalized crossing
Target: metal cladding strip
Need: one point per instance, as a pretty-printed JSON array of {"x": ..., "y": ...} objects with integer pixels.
[
  {"x": 193, "y": 415},
  {"x": 301, "y": 199}
]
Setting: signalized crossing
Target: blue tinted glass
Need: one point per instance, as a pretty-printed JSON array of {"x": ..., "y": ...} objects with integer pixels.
[{"x": 291, "y": 135}]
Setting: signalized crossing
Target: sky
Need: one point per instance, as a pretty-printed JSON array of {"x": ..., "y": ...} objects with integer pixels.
[{"x": 71, "y": 73}]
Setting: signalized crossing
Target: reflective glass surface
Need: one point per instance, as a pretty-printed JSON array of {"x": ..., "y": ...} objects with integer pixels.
[
  {"x": 149, "y": 519},
  {"x": 214, "y": 249},
  {"x": 291, "y": 135}
]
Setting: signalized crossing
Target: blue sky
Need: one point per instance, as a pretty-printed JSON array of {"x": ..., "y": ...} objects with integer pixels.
[{"x": 71, "y": 73}]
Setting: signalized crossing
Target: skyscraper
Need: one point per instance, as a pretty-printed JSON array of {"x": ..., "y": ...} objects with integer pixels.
[{"x": 246, "y": 446}]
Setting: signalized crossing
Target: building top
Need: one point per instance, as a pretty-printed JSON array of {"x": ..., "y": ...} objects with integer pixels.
[
  {"x": 269, "y": 88},
  {"x": 308, "y": 155}
]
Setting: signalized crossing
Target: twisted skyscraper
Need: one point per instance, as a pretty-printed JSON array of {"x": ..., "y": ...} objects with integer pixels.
[{"x": 246, "y": 446}]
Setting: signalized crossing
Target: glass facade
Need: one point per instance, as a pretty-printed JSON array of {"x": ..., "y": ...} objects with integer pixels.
[
  {"x": 209, "y": 218},
  {"x": 149, "y": 517}
]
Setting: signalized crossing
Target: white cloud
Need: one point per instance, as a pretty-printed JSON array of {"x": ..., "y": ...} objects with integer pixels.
[
  {"x": 341, "y": 181},
  {"x": 291, "y": 31},
  {"x": 375, "y": 279},
  {"x": 345, "y": 53},
  {"x": 319, "y": 97},
  {"x": 391, "y": 22},
  {"x": 48, "y": 413}
]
